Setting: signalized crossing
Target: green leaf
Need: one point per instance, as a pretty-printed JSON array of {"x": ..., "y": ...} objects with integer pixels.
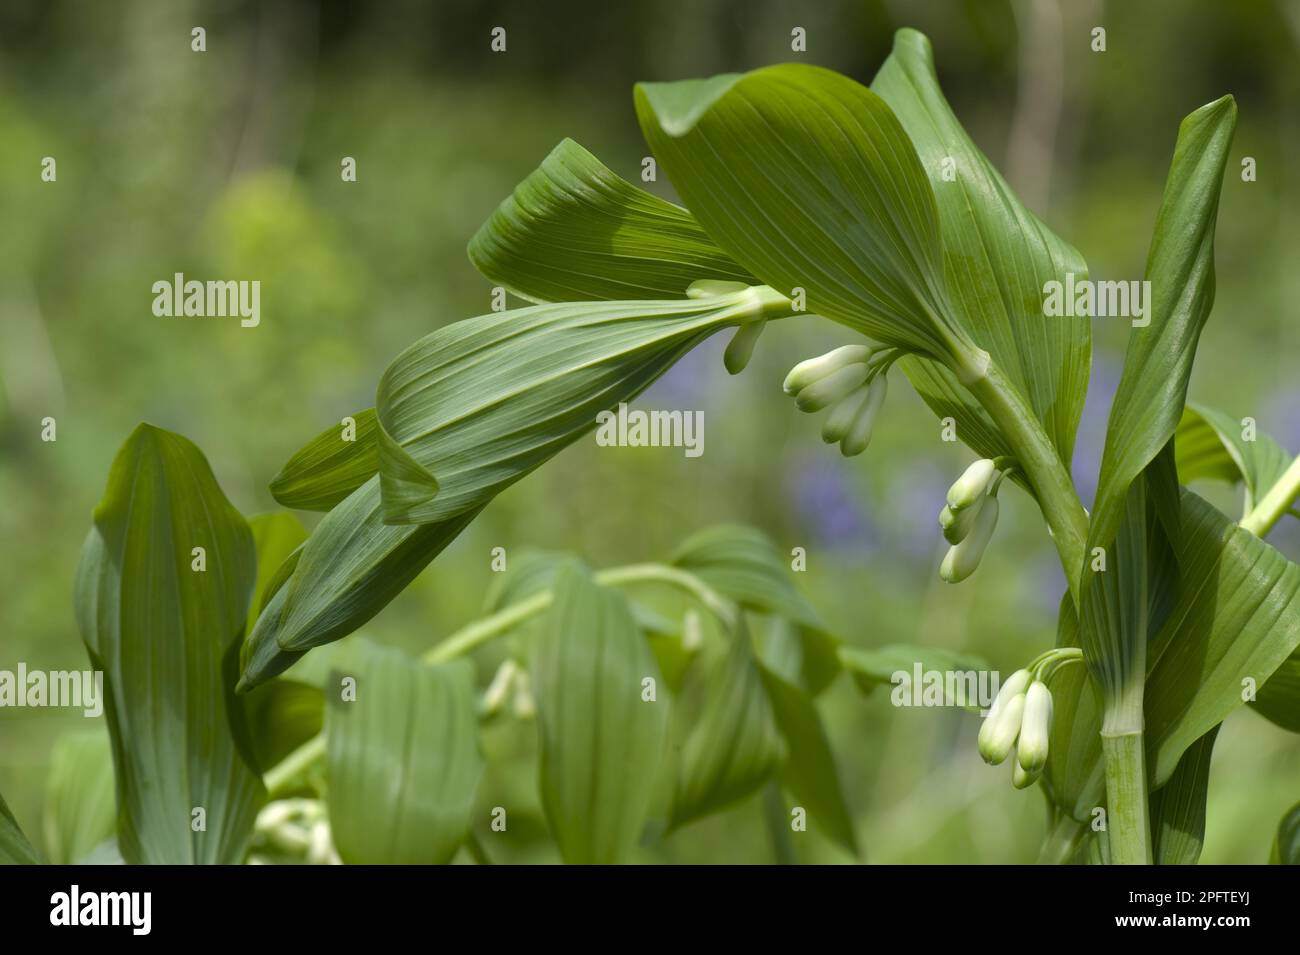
[
  {"x": 1178, "y": 807},
  {"x": 1180, "y": 267},
  {"x": 276, "y": 538},
  {"x": 809, "y": 181},
  {"x": 282, "y": 715},
  {"x": 14, "y": 847},
  {"x": 332, "y": 465},
  {"x": 1073, "y": 775},
  {"x": 528, "y": 572},
  {"x": 737, "y": 745},
  {"x": 1238, "y": 618},
  {"x": 1118, "y": 606},
  {"x": 403, "y": 760},
  {"x": 809, "y": 770},
  {"x": 743, "y": 564},
  {"x": 1210, "y": 445},
  {"x": 478, "y": 404},
  {"x": 574, "y": 231},
  {"x": 997, "y": 259},
  {"x": 1278, "y": 700},
  {"x": 165, "y": 634},
  {"x": 896, "y": 664},
  {"x": 1286, "y": 845},
  {"x": 80, "y": 797},
  {"x": 352, "y": 565},
  {"x": 601, "y": 744}
]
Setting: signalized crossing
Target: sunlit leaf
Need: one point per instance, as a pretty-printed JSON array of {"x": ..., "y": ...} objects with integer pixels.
[
  {"x": 351, "y": 567},
  {"x": 403, "y": 760},
  {"x": 163, "y": 620},
  {"x": 809, "y": 181},
  {"x": 574, "y": 231},
  {"x": 1135, "y": 516},
  {"x": 331, "y": 466},
  {"x": 998, "y": 258},
  {"x": 476, "y": 405},
  {"x": 1211, "y": 445}
]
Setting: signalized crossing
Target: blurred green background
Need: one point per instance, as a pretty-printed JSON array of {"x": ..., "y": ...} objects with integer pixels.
[{"x": 225, "y": 164}]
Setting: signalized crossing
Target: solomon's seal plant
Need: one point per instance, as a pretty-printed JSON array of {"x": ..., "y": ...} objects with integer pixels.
[{"x": 808, "y": 197}]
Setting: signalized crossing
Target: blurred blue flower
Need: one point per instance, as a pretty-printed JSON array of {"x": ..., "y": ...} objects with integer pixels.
[
  {"x": 916, "y": 496},
  {"x": 828, "y": 506},
  {"x": 1092, "y": 426},
  {"x": 690, "y": 382}
]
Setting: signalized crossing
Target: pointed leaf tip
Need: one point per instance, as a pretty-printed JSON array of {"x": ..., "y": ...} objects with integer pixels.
[{"x": 679, "y": 105}]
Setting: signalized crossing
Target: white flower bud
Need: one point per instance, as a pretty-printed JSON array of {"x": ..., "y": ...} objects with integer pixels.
[
  {"x": 1022, "y": 778},
  {"x": 708, "y": 288},
  {"x": 962, "y": 559},
  {"x": 826, "y": 391},
  {"x": 1015, "y": 685},
  {"x": 972, "y": 485},
  {"x": 741, "y": 347},
  {"x": 1000, "y": 729},
  {"x": 842, "y": 415},
  {"x": 814, "y": 369},
  {"x": 1035, "y": 728},
  {"x": 957, "y": 524},
  {"x": 858, "y": 436}
]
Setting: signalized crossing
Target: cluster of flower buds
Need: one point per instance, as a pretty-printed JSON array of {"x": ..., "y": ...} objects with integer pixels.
[
  {"x": 1020, "y": 718},
  {"x": 851, "y": 382},
  {"x": 510, "y": 684},
  {"x": 297, "y": 828},
  {"x": 969, "y": 517}
]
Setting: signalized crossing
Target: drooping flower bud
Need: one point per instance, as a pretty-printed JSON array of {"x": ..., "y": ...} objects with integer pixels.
[
  {"x": 1022, "y": 778},
  {"x": 826, "y": 391},
  {"x": 704, "y": 288},
  {"x": 741, "y": 347},
  {"x": 842, "y": 415},
  {"x": 972, "y": 485},
  {"x": 1015, "y": 685},
  {"x": 814, "y": 369},
  {"x": 1000, "y": 729},
  {"x": 1035, "y": 728},
  {"x": 957, "y": 525},
  {"x": 962, "y": 558},
  {"x": 858, "y": 436}
]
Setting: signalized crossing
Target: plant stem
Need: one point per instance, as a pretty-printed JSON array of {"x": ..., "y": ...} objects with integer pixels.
[
  {"x": 481, "y": 631},
  {"x": 1062, "y": 842},
  {"x": 1041, "y": 466},
  {"x": 1275, "y": 502},
  {"x": 279, "y": 778},
  {"x": 778, "y": 825},
  {"x": 1127, "y": 820}
]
